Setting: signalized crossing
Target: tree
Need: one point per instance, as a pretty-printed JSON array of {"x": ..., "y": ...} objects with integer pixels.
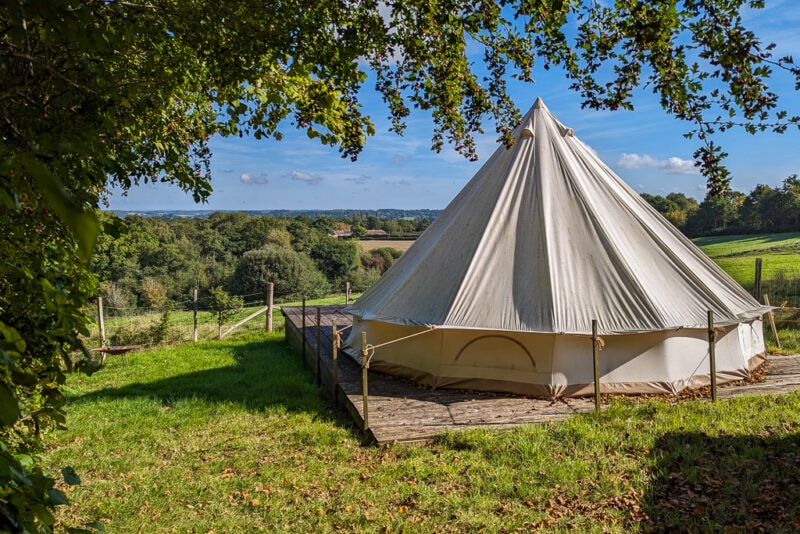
[
  {"x": 99, "y": 93},
  {"x": 293, "y": 274},
  {"x": 358, "y": 231},
  {"x": 760, "y": 208},
  {"x": 715, "y": 215},
  {"x": 335, "y": 257}
]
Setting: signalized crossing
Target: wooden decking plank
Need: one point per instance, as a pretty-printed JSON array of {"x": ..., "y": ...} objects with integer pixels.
[{"x": 402, "y": 411}]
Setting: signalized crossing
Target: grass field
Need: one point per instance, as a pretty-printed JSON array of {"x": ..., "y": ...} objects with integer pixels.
[
  {"x": 731, "y": 245},
  {"x": 370, "y": 244},
  {"x": 234, "y": 436}
]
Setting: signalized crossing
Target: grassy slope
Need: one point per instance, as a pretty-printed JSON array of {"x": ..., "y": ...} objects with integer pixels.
[{"x": 233, "y": 436}]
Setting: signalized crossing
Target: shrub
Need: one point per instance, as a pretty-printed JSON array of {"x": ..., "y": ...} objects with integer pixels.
[{"x": 294, "y": 275}]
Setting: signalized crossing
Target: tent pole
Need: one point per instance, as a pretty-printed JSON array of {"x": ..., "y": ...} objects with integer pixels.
[
  {"x": 712, "y": 355},
  {"x": 596, "y": 364},
  {"x": 364, "y": 385}
]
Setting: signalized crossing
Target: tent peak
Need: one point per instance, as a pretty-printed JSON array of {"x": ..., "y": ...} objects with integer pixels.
[{"x": 539, "y": 103}]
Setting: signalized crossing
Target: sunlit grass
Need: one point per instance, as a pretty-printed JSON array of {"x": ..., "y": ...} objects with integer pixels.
[
  {"x": 729, "y": 245},
  {"x": 234, "y": 436}
]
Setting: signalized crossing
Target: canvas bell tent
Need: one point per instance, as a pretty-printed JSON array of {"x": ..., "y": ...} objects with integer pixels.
[{"x": 503, "y": 287}]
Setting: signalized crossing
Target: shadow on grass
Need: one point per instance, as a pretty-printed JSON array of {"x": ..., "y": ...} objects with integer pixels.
[
  {"x": 266, "y": 374},
  {"x": 724, "y": 484}
]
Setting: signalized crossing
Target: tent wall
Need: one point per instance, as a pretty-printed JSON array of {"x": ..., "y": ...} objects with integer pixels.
[{"x": 560, "y": 365}]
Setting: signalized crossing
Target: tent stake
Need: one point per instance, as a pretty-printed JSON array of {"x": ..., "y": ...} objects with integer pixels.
[
  {"x": 712, "y": 338},
  {"x": 596, "y": 364},
  {"x": 364, "y": 385}
]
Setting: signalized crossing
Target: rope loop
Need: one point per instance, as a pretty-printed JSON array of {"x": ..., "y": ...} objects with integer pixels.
[
  {"x": 599, "y": 343},
  {"x": 337, "y": 339}
]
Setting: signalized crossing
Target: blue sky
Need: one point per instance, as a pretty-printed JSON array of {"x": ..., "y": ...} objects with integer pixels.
[{"x": 645, "y": 147}]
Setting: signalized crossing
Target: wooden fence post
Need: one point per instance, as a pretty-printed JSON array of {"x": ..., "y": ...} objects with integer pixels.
[
  {"x": 772, "y": 322},
  {"x": 194, "y": 308},
  {"x": 101, "y": 320},
  {"x": 304, "y": 329},
  {"x": 364, "y": 383},
  {"x": 596, "y": 365},
  {"x": 335, "y": 357},
  {"x": 347, "y": 293},
  {"x": 319, "y": 347},
  {"x": 270, "y": 308},
  {"x": 712, "y": 339},
  {"x": 757, "y": 279}
]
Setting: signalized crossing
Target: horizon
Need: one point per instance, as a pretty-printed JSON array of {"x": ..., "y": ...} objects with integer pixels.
[{"x": 645, "y": 147}]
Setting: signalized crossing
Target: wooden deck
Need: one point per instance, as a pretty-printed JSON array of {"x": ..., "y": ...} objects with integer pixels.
[{"x": 401, "y": 411}]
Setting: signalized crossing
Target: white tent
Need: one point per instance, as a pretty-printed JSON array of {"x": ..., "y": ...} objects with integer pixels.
[{"x": 544, "y": 239}]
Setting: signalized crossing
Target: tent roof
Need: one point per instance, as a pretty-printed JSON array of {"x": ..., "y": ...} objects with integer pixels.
[{"x": 546, "y": 238}]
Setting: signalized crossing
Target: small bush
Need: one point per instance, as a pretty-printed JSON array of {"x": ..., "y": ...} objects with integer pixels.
[{"x": 142, "y": 333}]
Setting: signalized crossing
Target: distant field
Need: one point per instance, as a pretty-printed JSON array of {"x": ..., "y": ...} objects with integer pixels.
[
  {"x": 780, "y": 268},
  {"x": 732, "y": 245},
  {"x": 381, "y": 243}
]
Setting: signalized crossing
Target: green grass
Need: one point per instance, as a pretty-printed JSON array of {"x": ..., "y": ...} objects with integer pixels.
[
  {"x": 233, "y": 436},
  {"x": 731, "y": 245},
  {"x": 742, "y": 268}
]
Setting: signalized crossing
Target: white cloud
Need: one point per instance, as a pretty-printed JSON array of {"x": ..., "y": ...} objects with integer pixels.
[
  {"x": 307, "y": 177},
  {"x": 673, "y": 165},
  {"x": 360, "y": 180},
  {"x": 247, "y": 178}
]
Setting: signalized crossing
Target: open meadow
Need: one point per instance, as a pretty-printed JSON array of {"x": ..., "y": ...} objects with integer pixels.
[
  {"x": 398, "y": 244},
  {"x": 234, "y": 436}
]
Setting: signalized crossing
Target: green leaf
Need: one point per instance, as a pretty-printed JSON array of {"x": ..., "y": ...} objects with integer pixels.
[
  {"x": 13, "y": 337},
  {"x": 83, "y": 225},
  {"x": 9, "y": 406}
]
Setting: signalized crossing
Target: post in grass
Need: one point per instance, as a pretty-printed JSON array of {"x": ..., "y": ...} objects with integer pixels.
[
  {"x": 596, "y": 365},
  {"x": 712, "y": 338}
]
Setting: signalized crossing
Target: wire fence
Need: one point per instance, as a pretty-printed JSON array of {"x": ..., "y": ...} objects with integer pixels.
[{"x": 187, "y": 320}]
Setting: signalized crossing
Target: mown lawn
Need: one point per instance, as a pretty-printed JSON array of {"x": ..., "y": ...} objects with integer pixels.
[
  {"x": 731, "y": 245},
  {"x": 234, "y": 436}
]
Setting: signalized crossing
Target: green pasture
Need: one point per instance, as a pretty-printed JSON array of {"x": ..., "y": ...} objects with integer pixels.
[
  {"x": 731, "y": 245},
  {"x": 780, "y": 265},
  {"x": 234, "y": 436}
]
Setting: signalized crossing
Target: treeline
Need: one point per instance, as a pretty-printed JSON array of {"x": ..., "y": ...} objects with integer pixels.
[
  {"x": 764, "y": 210},
  {"x": 151, "y": 262}
]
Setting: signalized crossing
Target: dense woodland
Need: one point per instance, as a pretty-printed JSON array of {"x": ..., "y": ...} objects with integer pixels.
[
  {"x": 158, "y": 262},
  {"x": 764, "y": 210}
]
